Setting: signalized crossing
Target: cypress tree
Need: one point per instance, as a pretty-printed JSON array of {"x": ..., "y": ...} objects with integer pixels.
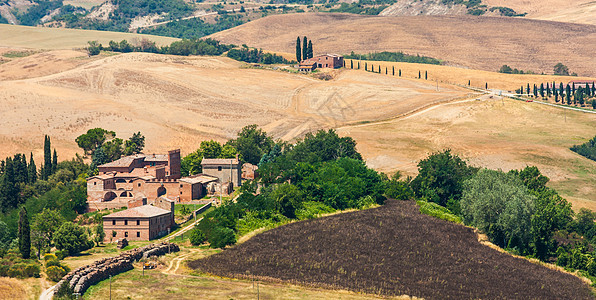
[
  {"x": 425, "y": 75},
  {"x": 351, "y": 64},
  {"x": 542, "y": 90},
  {"x": 358, "y": 65},
  {"x": 386, "y": 71},
  {"x": 32, "y": 170},
  {"x": 469, "y": 82},
  {"x": 568, "y": 94},
  {"x": 9, "y": 190},
  {"x": 419, "y": 75},
  {"x": 305, "y": 48},
  {"x": 365, "y": 67},
  {"x": 535, "y": 91},
  {"x": 298, "y": 50},
  {"x": 587, "y": 89},
  {"x": 379, "y": 69},
  {"x": 393, "y": 68},
  {"x": 548, "y": 90},
  {"x": 309, "y": 50},
  {"x": 399, "y": 72},
  {"x": 573, "y": 88},
  {"x": 521, "y": 89},
  {"x": 556, "y": 96},
  {"x": 528, "y": 89},
  {"x": 54, "y": 161},
  {"x": 593, "y": 89},
  {"x": 24, "y": 234},
  {"x": 561, "y": 90},
  {"x": 486, "y": 85},
  {"x": 47, "y": 159}
]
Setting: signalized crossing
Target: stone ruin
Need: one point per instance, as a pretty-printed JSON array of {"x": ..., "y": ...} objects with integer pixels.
[{"x": 84, "y": 277}]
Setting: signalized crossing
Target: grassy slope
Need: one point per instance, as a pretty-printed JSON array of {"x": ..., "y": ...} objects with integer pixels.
[
  {"x": 476, "y": 42},
  {"x": 60, "y": 38},
  {"x": 391, "y": 250}
]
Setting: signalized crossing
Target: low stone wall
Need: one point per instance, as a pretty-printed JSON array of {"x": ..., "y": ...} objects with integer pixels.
[{"x": 84, "y": 277}]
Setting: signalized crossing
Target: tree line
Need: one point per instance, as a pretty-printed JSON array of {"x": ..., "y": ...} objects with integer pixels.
[
  {"x": 103, "y": 146},
  {"x": 248, "y": 55},
  {"x": 183, "y": 47},
  {"x": 394, "y": 57},
  {"x": 566, "y": 94},
  {"x": 587, "y": 149}
]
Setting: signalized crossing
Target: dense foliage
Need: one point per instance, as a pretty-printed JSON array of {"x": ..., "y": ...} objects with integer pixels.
[
  {"x": 195, "y": 28},
  {"x": 191, "y": 164},
  {"x": 587, "y": 149},
  {"x": 183, "y": 47},
  {"x": 362, "y": 7},
  {"x": 104, "y": 146},
  {"x": 248, "y": 55},
  {"x": 394, "y": 57}
]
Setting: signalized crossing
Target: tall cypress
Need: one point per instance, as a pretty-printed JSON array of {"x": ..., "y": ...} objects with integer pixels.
[
  {"x": 561, "y": 90},
  {"x": 419, "y": 75},
  {"x": 365, "y": 67},
  {"x": 24, "y": 234},
  {"x": 47, "y": 159},
  {"x": 298, "y": 50},
  {"x": 54, "y": 161},
  {"x": 542, "y": 90},
  {"x": 379, "y": 69},
  {"x": 568, "y": 94},
  {"x": 9, "y": 190},
  {"x": 528, "y": 89},
  {"x": 393, "y": 68},
  {"x": 351, "y": 64},
  {"x": 32, "y": 170},
  {"x": 399, "y": 72},
  {"x": 304, "y": 48},
  {"x": 309, "y": 50},
  {"x": 426, "y": 75}
]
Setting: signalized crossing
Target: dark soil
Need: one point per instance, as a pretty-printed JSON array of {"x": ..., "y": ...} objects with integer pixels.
[{"x": 391, "y": 250}]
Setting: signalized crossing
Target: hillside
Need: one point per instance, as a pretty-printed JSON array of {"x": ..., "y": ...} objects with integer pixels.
[
  {"x": 61, "y": 38},
  {"x": 391, "y": 250},
  {"x": 575, "y": 11},
  {"x": 486, "y": 43}
]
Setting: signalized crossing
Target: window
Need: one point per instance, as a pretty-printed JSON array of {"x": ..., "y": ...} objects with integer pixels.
[
  {"x": 138, "y": 234},
  {"x": 219, "y": 168},
  {"x": 113, "y": 222},
  {"x": 180, "y": 192},
  {"x": 180, "y": 185},
  {"x": 95, "y": 183},
  {"x": 138, "y": 222},
  {"x": 126, "y": 234},
  {"x": 125, "y": 222},
  {"x": 139, "y": 184}
]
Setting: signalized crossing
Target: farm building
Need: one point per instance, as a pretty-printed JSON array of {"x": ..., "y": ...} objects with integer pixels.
[
  {"x": 333, "y": 61},
  {"x": 227, "y": 170},
  {"x": 137, "y": 177},
  {"x": 140, "y": 223},
  {"x": 581, "y": 83}
]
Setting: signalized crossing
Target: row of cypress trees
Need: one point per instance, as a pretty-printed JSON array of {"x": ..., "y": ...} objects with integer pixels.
[{"x": 305, "y": 51}]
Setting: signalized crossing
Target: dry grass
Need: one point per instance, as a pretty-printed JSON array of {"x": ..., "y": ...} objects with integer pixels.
[
  {"x": 62, "y": 38},
  {"x": 575, "y": 11},
  {"x": 476, "y": 42},
  {"x": 11, "y": 288}
]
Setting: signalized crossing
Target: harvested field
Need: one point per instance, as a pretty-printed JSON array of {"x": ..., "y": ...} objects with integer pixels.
[
  {"x": 484, "y": 43},
  {"x": 391, "y": 250}
]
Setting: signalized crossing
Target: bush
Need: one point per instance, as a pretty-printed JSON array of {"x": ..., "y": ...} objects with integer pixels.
[
  {"x": 437, "y": 211},
  {"x": 53, "y": 262},
  {"x": 55, "y": 273},
  {"x": 196, "y": 236},
  {"x": 49, "y": 256},
  {"x": 16, "y": 270},
  {"x": 31, "y": 270},
  {"x": 221, "y": 237},
  {"x": 312, "y": 209},
  {"x": 4, "y": 270},
  {"x": 60, "y": 254}
]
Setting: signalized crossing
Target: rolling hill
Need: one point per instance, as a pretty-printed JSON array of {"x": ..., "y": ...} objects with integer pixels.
[
  {"x": 474, "y": 42},
  {"x": 391, "y": 250}
]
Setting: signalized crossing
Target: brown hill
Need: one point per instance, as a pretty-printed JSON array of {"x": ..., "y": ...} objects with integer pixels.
[
  {"x": 391, "y": 250},
  {"x": 475, "y": 42},
  {"x": 575, "y": 11}
]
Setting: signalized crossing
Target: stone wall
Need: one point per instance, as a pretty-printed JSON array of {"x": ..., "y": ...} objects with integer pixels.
[{"x": 84, "y": 277}]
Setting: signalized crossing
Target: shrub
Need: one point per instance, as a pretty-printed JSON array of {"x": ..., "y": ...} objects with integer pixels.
[
  {"x": 4, "y": 270},
  {"x": 49, "y": 256},
  {"x": 221, "y": 237},
  {"x": 16, "y": 270},
  {"x": 196, "y": 236},
  {"x": 437, "y": 211},
  {"x": 312, "y": 209},
  {"x": 60, "y": 254},
  {"x": 53, "y": 262},
  {"x": 31, "y": 270},
  {"x": 55, "y": 273}
]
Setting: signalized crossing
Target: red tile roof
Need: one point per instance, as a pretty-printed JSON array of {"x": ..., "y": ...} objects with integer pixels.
[{"x": 145, "y": 211}]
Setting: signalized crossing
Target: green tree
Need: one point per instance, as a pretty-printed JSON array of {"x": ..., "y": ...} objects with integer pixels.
[
  {"x": 222, "y": 237},
  {"x": 99, "y": 233},
  {"x": 398, "y": 189},
  {"x": 505, "y": 69},
  {"x": 324, "y": 146},
  {"x": 94, "y": 48},
  {"x": 135, "y": 144},
  {"x": 9, "y": 188},
  {"x": 24, "y": 234},
  {"x": 440, "y": 179},
  {"x": 309, "y": 50},
  {"x": 252, "y": 143},
  {"x": 71, "y": 238},
  {"x": 197, "y": 237},
  {"x": 54, "y": 161},
  {"x": 43, "y": 227},
  {"x": 32, "y": 170},
  {"x": 499, "y": 205},
  {"x": 298, "y": 50},
  {"x": 304, "y": 48},
  {"x": 93, "y": 139},
  {"x": 113, "y": 149},
  {"x": 561, "y": 69},
  {"x": 287, "y": 199},
  {"x": 47, "y": 157}
]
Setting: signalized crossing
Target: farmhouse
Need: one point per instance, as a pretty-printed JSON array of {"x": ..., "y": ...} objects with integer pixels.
[
  {"x": 137, "y": 177},
  {"x": 333, "y": 61},
  {"x": 140, "y": 223},
  {"x": 227, "y": 170}
]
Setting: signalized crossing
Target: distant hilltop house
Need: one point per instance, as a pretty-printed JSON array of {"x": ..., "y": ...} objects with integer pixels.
[
  {"x": 148, "y": 177},
  {"x": 333, "y": 61}
]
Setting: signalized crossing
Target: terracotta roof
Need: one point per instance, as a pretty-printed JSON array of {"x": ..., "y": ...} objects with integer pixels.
[
  {"x": 219, "y": 161},
  {"x": 156, "y": 157},
  {"x": 122, "y": 162},
  {"x": 199, "y": 178},
  {"x": 145, "y": 211}
]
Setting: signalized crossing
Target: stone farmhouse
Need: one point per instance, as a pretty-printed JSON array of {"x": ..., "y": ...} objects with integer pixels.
[
  {"x": 141, "y": 176},
  {"x": 333, "y": 61},
  {"x": 140, "y": 223}
]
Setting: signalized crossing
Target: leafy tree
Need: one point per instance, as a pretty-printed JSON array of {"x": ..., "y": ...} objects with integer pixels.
[
  {"x": 252, "y": 143},
  {"x": 197, "y": 237},
  {"x": 222, "y": 237},
  {"x": 93, "y": 139},
  {"x": 298, "y": 50},
  {"x": 24, "y": 234},
  {"x": 191, "y": 164},
  {"x": 584, "y": 222},
  {"x": 287, "y": 199},
  {"x": 94, "y": 48},
  {"x": 113, "y": 149},
  {"x": 72, "y": 238},
  {"x": 561, "y": 69},
  {"x": 43, "y": 228},
  {"x": 135, "y": 144},
  {"x": 398, "y": 189},
  {"x": 324, "y": 146},
  {"x": 506, "y": 69},
  {"x": 99, "y": 233},
  {"x": 440, "y": 179},
  {"x": 499, "y": 205}
]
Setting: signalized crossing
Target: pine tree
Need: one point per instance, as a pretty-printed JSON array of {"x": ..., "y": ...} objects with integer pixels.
[
  {"x": 298, "y": 50},
  {"x": 309, "y": 50},
  {"x": 47, "y": 159},
  {"x": 24, "y": 234},
  {"x": 305, "y": 48},
  {"x": 54, "y": 162},
  {"x": 32, "y": 170}
]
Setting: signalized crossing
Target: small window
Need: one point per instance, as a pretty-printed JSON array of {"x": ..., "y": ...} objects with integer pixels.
[
  {"x": 180, "y": 192},
  {"x": 95, "y": 183},
  {"x": 219, "y": 168},
  {"x": 180, "y": 185},
  {"x": 113, "y": 222},
  {"x": 138, "y": 234},
  {"x": 138, "y": 222},
  {"x": 126, "y": 234},
  {"x": 139, "y": 184},
  {"x": 125, "y": 222}
]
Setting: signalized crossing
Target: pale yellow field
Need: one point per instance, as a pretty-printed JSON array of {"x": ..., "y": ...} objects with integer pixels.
[
  {"x": 16, "y": 36},
  {"x": 575, "y": 11}
]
